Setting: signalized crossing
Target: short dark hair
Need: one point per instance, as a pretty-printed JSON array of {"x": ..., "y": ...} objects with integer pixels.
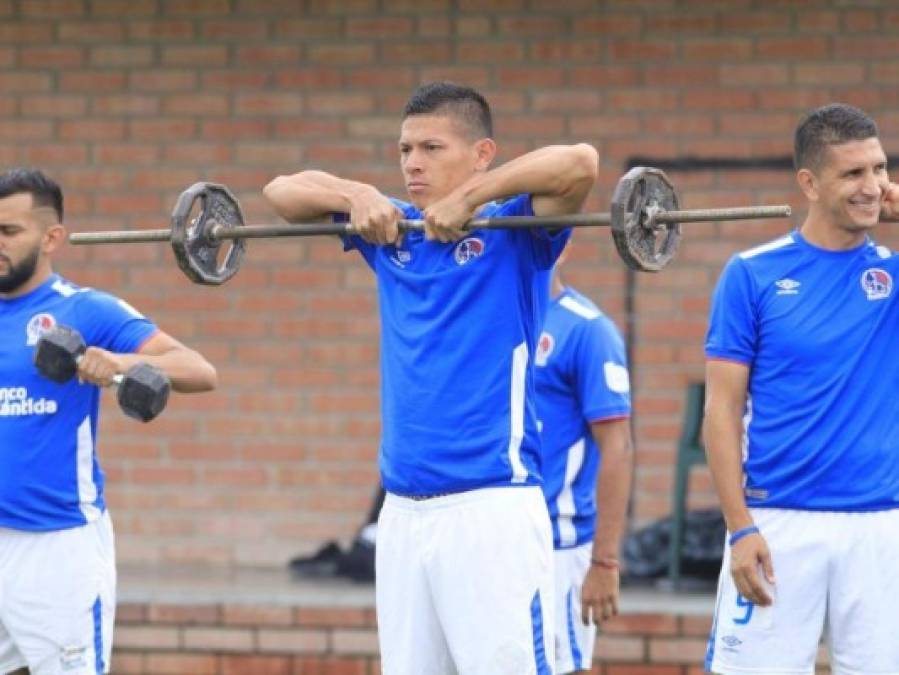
[
  {"x": 830, "y": 124},
  {"x": 44, "y": 191},
  {"x": 465, "y": 103}
]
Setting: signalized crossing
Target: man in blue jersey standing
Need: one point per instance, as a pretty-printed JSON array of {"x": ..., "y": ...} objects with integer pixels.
[
  {"x": 464, "y": 550},
  {"x": 584, "y": 406},
  {"x": 802, "y": 359},
  {"x": 57, "y": 559}
]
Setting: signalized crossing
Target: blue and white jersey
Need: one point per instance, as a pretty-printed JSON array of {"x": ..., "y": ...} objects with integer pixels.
[
  {"x": 581, "y": 378},
  {"x": 819, "y": 331},
  {"x": 459, "y": 324},
  {"x": 50, "y": 478}
]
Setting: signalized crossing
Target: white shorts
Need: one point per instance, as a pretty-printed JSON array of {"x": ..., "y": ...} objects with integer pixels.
[
  {"x": 834, "y": 572},
  {"x": 464, "y": 584},
  {"x": 574, "y": 640},
  {"x": 57, "y": 599}
]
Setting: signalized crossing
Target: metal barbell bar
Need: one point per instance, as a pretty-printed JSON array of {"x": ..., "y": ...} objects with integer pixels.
[
  {"x": 645, "y": 221},
  {"x": 598, "y": 219}
]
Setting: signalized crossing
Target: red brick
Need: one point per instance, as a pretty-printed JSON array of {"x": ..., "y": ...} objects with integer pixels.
[
  {"x": 717, "y": 49},
  {"x": 341, "y": 54},
  {"x": 218, "y": 639},
  {"x": 213, "y": 8},
  {"x": 117, "y": 8},
  {"x": 832, "y": 74},
  {"x": 309, "y": 28},
  {"x": 229, "y": 29},
  {"x": 161, "y": 29},
  {"x": 52, "y": 8},
  {"x": 268, "y": 104},
  {"x": 163, "y": 80},
  {"x": 146, "y": 637},
  {"x": 291, "y": 641},
  {"x": 258, "y": 665},
  {"x": 92, "y": 81},
  {"x": 95, "y": 130},
  {"x": 183, "y": 614},
  {"x": 682, "y": 651},
  {"x": 276, "y": 55},
  {"x": 613, "y": 669},
  {"x": 24, "y": 82},
  {"x": 179, "y": 664},
  {"x": 195, "y": 56},
  {"x": 121, "y": 56},
  {"x": 51, "y": 57},
  {"x": 27, "y": 33},
  {"x": 319, "y": 617},
  {"x": 643, "y": 624}
]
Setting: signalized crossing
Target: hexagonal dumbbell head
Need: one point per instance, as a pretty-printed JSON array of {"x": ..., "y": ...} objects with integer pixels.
[
  {"x": 57, "y": 352},
  {"x": 143, "y": 392}
]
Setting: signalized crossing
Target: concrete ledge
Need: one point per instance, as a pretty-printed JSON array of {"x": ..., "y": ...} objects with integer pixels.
[{"x": 193, "y": 621}]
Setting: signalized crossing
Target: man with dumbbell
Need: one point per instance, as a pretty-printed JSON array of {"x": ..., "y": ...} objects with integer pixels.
[
  {"x": 57, "y": 567},
  {"x": 464, "y": 551}
]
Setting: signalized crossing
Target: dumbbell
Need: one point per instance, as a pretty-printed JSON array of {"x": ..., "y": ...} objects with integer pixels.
[{"x": 143, "y": 390}]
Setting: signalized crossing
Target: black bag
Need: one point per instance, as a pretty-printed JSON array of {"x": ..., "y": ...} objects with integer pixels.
[{"x": 645, "y": 552}]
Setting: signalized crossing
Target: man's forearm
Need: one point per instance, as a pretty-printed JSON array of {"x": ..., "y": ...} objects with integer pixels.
[
  {"x": 311, "y": 194},
  {"x": 566, "y": 172},
  {"x": 613, "y": 490},
  {"x": 722, "y": 432},
  {"x": 187, "y": 370}
]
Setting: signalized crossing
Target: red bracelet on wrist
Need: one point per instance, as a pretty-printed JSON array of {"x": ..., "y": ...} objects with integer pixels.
[{"x": 608, "y": 562}]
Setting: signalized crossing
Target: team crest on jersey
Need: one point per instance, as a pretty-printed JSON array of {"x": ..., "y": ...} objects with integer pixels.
[
  {"x": 37, "y": 326},
  {"x": 468, "y": 249},
  {"x": 545, "y": 346},
  {"x": 878, "y": 283}
]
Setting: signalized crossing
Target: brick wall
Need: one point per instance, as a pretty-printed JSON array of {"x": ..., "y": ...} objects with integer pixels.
[
  {"x": 160, "y": 639},
  {"x": 129, "y": 101}
]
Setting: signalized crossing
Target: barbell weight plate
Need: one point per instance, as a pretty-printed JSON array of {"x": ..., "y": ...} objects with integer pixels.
[
  {"x": 644, "y": 246},
  {"x": 200, "y": 255}
]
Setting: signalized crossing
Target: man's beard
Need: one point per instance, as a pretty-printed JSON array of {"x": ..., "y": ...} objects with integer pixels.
[{"x": 17, "y": 275}]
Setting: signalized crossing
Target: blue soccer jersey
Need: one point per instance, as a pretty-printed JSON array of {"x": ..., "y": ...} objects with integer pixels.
[
  {"x": 819, "y": 331},
  {"x": 50, "y": 478},
  {"x": 581, "y": 378},
  {"x": 459, "y": 325}
]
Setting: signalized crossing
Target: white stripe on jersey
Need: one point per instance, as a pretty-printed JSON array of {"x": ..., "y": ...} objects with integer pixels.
[
  {"x": 565, "y": 500},
  {"x": 573, "y": 305},
  {"x": 87, "y": 489},
  {"x": 516, "y": 414},
  {"x": 66, "y": 289},
  {"x": 786, "y": 240}
]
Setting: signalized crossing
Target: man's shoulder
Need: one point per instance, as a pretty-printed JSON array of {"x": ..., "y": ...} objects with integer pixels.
[
  {"x": 785, "y": 244},
  {"x": 98, "y": 302},
  {"x": 579, "y": 305}
]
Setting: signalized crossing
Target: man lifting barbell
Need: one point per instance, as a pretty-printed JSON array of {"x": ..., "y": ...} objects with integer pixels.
[
  {"x": 57, "y": 567},
  {"x": 463, "y": 559}
]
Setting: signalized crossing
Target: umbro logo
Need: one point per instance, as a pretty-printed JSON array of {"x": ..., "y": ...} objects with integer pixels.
[
  {"x": 787, "y": 287},
  {"x": 401, "y": 258}
]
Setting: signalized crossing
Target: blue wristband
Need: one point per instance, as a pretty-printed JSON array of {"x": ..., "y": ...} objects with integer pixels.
[{"x": 739, "y": 534}]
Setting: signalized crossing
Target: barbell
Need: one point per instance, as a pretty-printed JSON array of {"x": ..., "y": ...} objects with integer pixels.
[{"x": 644, "y": 218}]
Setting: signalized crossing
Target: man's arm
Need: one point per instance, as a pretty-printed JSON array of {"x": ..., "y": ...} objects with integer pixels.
[
  {"x": 310, "y": 195},
  {"x": 726, "y": 389},
  {"x": 559, "y": 178},
  {"x": 187, "y": 369},
  {"x": 599, "y": 595}
]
